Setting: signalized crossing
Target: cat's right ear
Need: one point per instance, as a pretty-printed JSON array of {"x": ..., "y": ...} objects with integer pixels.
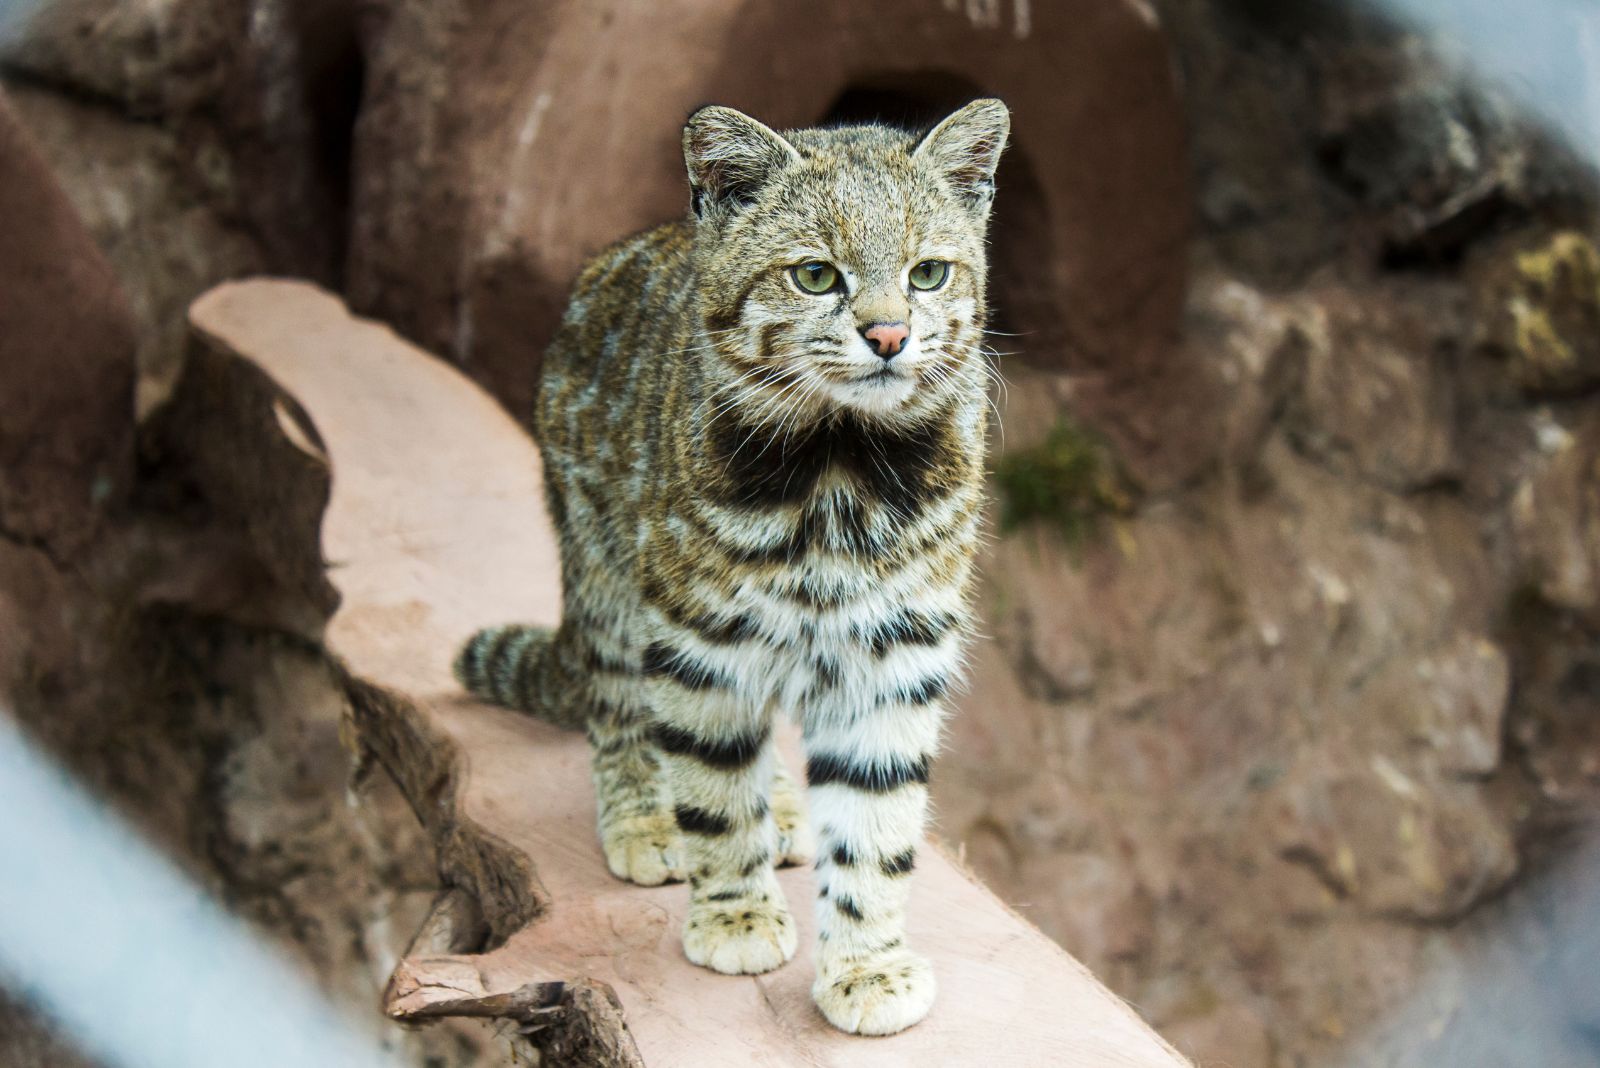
[{"x": 730, "y": 157}]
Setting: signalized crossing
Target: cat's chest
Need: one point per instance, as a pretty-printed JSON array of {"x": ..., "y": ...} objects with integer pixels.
[
  {"x": 835, "y": 594},
  {"x": 848, "y": 564},
  {"x": 838, "y": 634}
]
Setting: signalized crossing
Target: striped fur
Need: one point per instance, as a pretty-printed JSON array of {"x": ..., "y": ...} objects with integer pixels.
[
  {"x": 761, "y": 514},
  {"x": 519, "y": 666}
]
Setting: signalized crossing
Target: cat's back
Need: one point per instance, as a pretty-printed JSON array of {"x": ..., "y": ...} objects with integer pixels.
[{"x": 629, "y": 318}]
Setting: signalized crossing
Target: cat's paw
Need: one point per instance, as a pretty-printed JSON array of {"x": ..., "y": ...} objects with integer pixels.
[
  {"x": 647, "y": 850},
  {"x": 740, "y": 937},
  {"x": 877, "y": 995}
]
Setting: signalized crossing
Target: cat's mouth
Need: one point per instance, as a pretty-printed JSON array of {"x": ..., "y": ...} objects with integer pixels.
[
  {"x": 879, "y": 392},
  {"x": 880, "y": 376}
]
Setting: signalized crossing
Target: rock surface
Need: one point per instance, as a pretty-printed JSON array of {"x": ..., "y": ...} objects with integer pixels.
[
  {"x": 197, "y": 139},
  {"x": 66, "y": 438}
]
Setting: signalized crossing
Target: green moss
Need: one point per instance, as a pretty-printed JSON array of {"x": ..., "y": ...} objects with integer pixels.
[{"x": 1069, "y": 481}]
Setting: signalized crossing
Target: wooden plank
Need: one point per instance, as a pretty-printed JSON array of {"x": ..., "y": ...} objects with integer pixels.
[{"x": 436, "y": 527}]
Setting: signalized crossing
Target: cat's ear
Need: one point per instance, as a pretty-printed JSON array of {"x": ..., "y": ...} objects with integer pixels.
[
  {"x": 730, "y": 156},
  {"x": 965, "y": 148}
]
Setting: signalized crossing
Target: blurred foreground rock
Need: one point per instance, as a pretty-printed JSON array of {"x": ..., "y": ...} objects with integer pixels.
[{"x": 160, "y": 605}]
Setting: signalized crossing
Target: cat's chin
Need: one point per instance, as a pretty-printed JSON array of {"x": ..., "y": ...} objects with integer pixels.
[{"x": 885, "y": 393}]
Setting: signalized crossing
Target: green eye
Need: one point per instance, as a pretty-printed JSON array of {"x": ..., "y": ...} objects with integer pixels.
[
  {"x": 929, "y": 274},
  {"x": 815, "y": 277}
]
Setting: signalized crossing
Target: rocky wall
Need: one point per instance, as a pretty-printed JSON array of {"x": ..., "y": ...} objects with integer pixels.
[{"x": 1304, "y": 715}]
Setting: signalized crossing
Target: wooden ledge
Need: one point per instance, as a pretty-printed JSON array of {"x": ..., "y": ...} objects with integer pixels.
[{"x": 436, "y": 527}]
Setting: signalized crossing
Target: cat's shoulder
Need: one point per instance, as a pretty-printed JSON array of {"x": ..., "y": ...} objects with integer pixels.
[{"x": 666, "y": 243}]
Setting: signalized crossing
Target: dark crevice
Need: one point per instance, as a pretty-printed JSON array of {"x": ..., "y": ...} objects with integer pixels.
[
  {"x": 333, "y": 78},
  {"x": 15, "y": 75},
  {"x": 35, "y": 544}
]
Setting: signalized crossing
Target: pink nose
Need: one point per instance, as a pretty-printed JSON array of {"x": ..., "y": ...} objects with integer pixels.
[{"x": 889, "y": 338}]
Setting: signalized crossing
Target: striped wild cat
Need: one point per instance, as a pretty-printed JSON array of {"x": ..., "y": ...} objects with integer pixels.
[{"x": 763, "y": 435}]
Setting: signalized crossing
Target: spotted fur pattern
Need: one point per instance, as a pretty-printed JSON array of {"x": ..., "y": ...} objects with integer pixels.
[{"x": 760, "y": 514}]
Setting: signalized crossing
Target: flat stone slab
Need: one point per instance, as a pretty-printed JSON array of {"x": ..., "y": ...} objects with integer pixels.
[{"x": 436, "y": 527}]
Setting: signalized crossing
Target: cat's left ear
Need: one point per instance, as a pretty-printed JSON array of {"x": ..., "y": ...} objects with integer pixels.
[
  {"x": 730, "y": 157},
  {"x": 965, "y": 148}
]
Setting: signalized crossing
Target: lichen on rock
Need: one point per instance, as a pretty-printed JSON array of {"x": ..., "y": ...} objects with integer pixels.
[{"x": 1544, "y": 312}]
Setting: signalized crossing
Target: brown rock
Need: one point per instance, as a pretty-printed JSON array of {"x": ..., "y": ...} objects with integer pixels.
[
  {"x": 27, "y": 1040},
  {"x": 1106, "y": 916},
  {"x": 1434, "y": 158},
  {"x": 1229, "y": 1036},
  {"x": 1394, "y": 840},
  {"x": 1256, "y": 343},
  {"x": 128, "y": 184},
  {"x": 1450, "y": 703},
  {"x": 1556, "y": 518},
  {"x": 1468, "y": 688},
  {"x": 996, "y": 736},
  {"x": 1379, "y": 393},
  {"x": 66, "y": 362},
  {"x": 198, "y": 139},
  {"x": 152, "y": 57}
]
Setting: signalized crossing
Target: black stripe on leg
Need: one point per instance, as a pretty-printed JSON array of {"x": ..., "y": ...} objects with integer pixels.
[
  {"x": 728, "y": 754},
  {"x": 849, "y": 908},
  {"x": 899, "y": 864},
  {"x": 663, "y": 661},
  {"x": 909, "y": 628},
  {"x": 823, "y": 769},
  {"x": 923, "y": 692},
  {"x": 843, "y": 857},
  {"x": 693, "y": 820}
]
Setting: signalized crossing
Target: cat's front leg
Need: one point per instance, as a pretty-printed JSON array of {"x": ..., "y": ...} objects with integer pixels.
[
  {"x": 638, "y": 834},
  {"x": 868, "y": 773},
  {"x": 719, "y": 756}
]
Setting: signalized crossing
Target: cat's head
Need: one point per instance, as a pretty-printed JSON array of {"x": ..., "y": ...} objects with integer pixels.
[{"x": 844, "y": 268}]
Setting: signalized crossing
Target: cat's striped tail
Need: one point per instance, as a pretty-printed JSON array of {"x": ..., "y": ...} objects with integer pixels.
[{"x": 522, "y": 667}]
